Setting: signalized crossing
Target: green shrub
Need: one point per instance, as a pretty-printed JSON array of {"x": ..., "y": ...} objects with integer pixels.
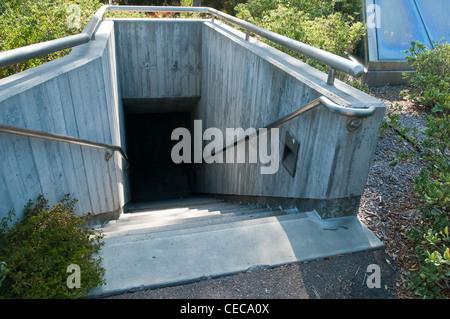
[
  {"x": 431, "y": 148},
  {"x": 2, "y": 272},
  {"x": 313, "y": 22},
  {"x": 432, "y": 76},
  {"x": 431, "y": 280},
  {"x": 25, "y": 22},
  {"x": 255, "y": 10},
  {"x": 38, "y": 249}
]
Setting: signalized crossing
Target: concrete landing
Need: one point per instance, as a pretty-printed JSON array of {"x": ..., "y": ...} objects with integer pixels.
[{"x": 148, "y": 257}]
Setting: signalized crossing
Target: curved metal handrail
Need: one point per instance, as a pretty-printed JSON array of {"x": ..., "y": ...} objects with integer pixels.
[
  {"x": 331, "y": 106},
  {"x": 60, "y": 138},
  {"x": 347, "y": 111},
  {"x": 335, "y": 62},
  {"x": 356, "y": 116}
]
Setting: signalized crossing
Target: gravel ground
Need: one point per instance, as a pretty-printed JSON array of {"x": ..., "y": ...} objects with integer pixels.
[{"x": 387, "y": 208}]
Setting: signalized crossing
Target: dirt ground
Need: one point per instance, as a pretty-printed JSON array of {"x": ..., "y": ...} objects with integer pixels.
[{"x": 388, "y": 208}]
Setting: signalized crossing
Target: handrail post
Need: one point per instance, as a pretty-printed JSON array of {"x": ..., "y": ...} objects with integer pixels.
[{"x": 331, "y": 76}]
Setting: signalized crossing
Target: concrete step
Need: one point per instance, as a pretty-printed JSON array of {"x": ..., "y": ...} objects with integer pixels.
[
  {"x": 191, "y": 226},
  {"x": 172, "y": 203},
  {"x": 189, "y": 212},
  {"x": 175, "y": 256},
  {"x": 155, "y": 218}
]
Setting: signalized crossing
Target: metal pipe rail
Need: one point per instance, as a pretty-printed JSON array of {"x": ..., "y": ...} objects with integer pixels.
[
  {"x": 277, "y": 123},
  {"x": 335, "y": 62},
  {"x": 61, "y": 138},
  {"x": 353, "y": 113},
  {"x": 355, "y": 121},
  {"x": 356, "y": 115}
]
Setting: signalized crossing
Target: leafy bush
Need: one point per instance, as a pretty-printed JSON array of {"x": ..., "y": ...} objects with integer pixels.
[
  {"x": 432, "y": 79},
  {"x": 255, "y": 11},
  {"x": 2, "y": 272},
  {"x": 38, "y": 249},
  {"x": 431, "y": 147},
  {"x": 432, "y": 236},
  {"x": 25, "y": 22},
  {"x": 432, "y": 279},
  {"x": 313, "y": 22}
]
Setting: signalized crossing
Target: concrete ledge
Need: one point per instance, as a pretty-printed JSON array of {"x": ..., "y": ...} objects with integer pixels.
[
  {"x": 382, "y": 78},
  {"x": 146, "y": 263}
]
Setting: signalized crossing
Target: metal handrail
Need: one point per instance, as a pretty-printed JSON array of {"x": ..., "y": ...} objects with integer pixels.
[
  {"x": 282, "y": 120},
  {"x": 331, "y": 106},
  {"x": 37, "y": 50},
  {"x": 334, "y": 61},
  {"x": 356, "y": 114},
  {"x": 347, "y": 111},
  {"x": 355, "y": 118},
  {"x": 60, "y": 138}
]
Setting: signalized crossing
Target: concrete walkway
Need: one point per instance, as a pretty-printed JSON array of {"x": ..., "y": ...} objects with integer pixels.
[{"x": 156, "y": 248}]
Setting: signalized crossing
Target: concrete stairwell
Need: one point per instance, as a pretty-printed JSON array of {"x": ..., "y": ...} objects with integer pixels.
[
  {"x": 173, "y": 242},
  {"x": 100, "y": 124}
]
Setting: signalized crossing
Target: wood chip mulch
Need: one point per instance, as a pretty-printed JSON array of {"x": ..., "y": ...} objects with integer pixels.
[{"x": 389, "y": 204}]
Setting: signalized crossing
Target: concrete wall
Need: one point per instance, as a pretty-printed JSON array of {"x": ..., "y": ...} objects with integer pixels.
[
  {"x": 158, "y": 59},
  {"x": 249, "y": 84},
  {"x": 228, "y": 82},
  {"x": 76, "y": 96}
]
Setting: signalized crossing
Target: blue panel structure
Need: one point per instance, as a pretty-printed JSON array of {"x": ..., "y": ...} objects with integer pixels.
[
  {"x": 436, "y": 18},
  {"x": 400, "y": 25}
]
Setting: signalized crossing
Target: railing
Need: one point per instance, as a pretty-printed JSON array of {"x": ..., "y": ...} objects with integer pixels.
[
  {"x": 353, "y": 113},
  {"x": 356, "y": 115},
  {"x": 335, "y": 62},
  {"x": 355, "y": 121},
  {"x": 62, "y": 138}
]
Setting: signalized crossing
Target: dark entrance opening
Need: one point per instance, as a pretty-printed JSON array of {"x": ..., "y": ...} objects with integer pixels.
[{"x": 154, "y": 175}]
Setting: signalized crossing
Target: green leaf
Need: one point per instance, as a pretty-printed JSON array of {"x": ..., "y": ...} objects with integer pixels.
[{"x": 393, "y": 163}]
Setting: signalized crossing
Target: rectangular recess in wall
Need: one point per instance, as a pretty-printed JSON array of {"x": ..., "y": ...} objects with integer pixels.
[{"x": 290, "y": 153}]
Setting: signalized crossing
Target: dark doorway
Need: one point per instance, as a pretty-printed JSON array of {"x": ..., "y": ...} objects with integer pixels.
[{"x": 154, "y": 175}]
